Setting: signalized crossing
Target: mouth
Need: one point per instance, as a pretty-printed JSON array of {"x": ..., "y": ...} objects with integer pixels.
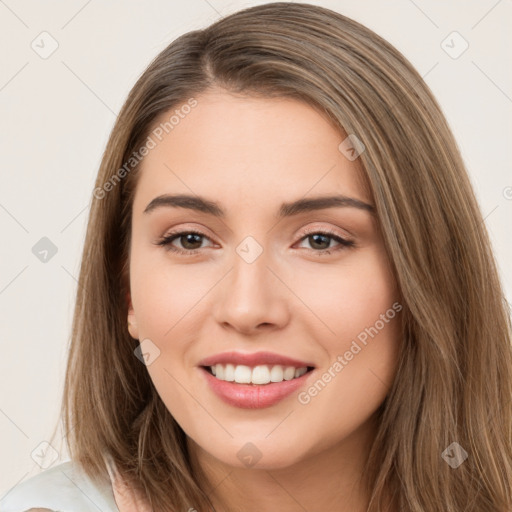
[
  {"x": 254, "y": 380},
  {"x": 260, "y": 375},
  {"x": 258, "y": 387}
]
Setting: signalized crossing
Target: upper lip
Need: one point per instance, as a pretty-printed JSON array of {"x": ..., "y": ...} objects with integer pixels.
[{"x": 253, "y": 359}]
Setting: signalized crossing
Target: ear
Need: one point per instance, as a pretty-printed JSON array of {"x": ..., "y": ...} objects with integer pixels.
[{"x": 132, "y": 320}]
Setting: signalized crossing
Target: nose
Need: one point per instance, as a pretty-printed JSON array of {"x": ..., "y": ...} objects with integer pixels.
[{"x": 252, "y": 297}]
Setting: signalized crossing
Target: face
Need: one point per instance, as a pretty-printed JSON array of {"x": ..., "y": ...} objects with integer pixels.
[{"x": 247, "y": 283}]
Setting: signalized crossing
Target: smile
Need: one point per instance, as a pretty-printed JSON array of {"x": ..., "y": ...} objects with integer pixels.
[
  {"x": 259, "y": 375},
  {"x": 249, "y": 394}
]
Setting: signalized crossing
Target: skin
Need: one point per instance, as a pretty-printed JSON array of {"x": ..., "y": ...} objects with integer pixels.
[{"x": 250, "y": 155}]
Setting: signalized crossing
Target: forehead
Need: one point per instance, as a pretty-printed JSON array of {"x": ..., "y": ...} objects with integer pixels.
[{"x": 252, "y": 149}]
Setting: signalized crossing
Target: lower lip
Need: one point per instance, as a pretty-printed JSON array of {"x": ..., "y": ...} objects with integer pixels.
[{"x": 253, "y": 396}]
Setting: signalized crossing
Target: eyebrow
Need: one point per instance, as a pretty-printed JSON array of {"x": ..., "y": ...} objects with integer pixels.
[{"x": 210, "y": 207}]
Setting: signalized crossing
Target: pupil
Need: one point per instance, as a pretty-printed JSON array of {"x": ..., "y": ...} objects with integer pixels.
[
  {"x": 314, "y": 237},
  {"x": 188, "y": 237}
]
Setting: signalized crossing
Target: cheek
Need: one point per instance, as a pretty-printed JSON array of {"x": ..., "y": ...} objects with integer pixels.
[
  {"x": 360, "y": 366},
  {"x": 357, "y": 324},
  {"x": 347, "y": 297},
  {"x": 164, "y": 294},
  {"x": 167, "y": 302},
  {"x": 355, "y": 383}
]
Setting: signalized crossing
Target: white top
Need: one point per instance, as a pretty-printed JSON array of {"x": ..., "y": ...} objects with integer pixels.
[
  {"x": 62, "y": 488},
  {"x": 66, "y": 488}
]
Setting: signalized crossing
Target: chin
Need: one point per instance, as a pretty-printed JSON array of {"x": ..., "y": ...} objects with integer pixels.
[{"x": 255, "y": 453}]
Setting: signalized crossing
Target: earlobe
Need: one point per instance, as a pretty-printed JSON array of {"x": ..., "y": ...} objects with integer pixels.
[
  {"x": 132, "y": 327},
  {"x": 132, "y": 320}
]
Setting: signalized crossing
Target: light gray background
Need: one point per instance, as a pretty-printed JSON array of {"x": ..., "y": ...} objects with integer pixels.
[{"x": 56, "y": 114}]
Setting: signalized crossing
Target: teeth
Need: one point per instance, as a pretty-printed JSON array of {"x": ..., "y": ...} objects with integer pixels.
[
  {"x": 289, "y": 373},
  {"x": 299, "y": 372},
  {"x": 242, "y": 374},
  {"x": 229, "y": 373},
  {"x": 262, "y": 374},
  {"x": 276, "y": 374}
]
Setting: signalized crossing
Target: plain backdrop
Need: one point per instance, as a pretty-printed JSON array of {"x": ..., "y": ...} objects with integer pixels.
[{"x": 56, "y": 112}]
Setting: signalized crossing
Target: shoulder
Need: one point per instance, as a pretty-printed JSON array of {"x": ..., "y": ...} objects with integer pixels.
[{"x": 62, "y": 488}]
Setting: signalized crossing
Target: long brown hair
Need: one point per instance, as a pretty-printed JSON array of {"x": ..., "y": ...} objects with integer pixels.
[{"x": 454, "y": 378}]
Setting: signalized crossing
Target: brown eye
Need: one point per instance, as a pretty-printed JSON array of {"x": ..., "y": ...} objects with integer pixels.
[
  {"x": 320, "y": 242},
  {"x": 189, "y": 240}
]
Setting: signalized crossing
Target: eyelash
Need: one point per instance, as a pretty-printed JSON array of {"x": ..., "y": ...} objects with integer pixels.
[{"x": 166, "y": 242}]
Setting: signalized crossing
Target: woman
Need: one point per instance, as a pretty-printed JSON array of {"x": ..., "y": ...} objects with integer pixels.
[{"x": 221, "y": 359}]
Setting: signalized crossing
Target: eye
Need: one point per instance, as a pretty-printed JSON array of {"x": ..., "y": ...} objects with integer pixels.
[
  {"x": 188, "y": 237},
  {"x": 193, "y": 238},
  {"x": 318, "y": 237}
]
